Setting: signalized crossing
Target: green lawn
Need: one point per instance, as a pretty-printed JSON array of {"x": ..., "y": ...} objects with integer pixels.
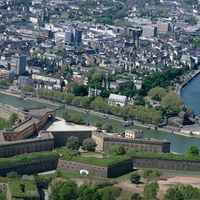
[{"x": 104, "y": 162}]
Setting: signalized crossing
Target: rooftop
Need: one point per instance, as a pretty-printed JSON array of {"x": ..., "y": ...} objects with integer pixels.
[{"x": 60, "y": 125}]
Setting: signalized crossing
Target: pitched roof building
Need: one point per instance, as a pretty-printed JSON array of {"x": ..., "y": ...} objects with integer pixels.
[{"x": 115, "y": 99}]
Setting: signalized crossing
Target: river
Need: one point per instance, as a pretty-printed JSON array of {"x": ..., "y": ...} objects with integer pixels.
[
  {"x": 179, "y": 143},
  {"x": 191, "y": 95}
]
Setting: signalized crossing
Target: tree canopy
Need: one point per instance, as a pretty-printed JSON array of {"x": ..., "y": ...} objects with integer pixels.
[
  {"x": 65, "y": 190},
  {"x": 116, "y": 150},
  {"x": 172, "y": 101},
  {"x": 157, "y": 93},
  {"x": 135, "y": 178},
  {"x": 150, "y": 191},
  {"x": 73, "y": 143},
  {"x": 89, "y": 144},
  {"x": 193, "y": 150}
]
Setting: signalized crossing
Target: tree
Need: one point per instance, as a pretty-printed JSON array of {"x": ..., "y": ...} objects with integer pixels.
[
  {"x": 131, "y": 152},
  {"x": 122, "y": 132},
  {"x": 68, "y": 98},
  {"x": 98, "y": 124},
  {"x": 147, "y": 173},
  {"x": 173, "y": 194},
  {"x": 66, "y": 116},
  {"x": 85, "y": 192},
  {"x": 135, "y": 178},
  {"x": 116, "y": 150},
  {"x": 157, "y": 93},
  {"x": 189, "y": 192},
  {"x": 65, "y": 190},
  {"x": 108, "y": 128},
  {"x": 89, "y": 144},
  {"x": 73, "y": 143},
  {"x": 109, "y": 193},
  {"x": 150, "y": 191},
  {"x": 85, "y": 102},
  {"x": 76, "y": 118},
  {"x": 172, "y": 101},
  {"x": 139, "y": 100},
  {"x": 13, "y": 118},
  {"x": 152, "y": 177},
  {"x": 27, "y": 88},
  {"x": 136, "y": 196},
  {"x": 193, "y": 150}
]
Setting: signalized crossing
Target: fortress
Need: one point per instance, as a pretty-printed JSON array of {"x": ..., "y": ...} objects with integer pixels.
[{"x": 38, "y": 129}]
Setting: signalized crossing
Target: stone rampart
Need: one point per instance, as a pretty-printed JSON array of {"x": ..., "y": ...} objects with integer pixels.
[
  {"x": 31, "y": 167},
  {"x": 75, "y": 167},
  {"x": 94, "y": 170},
  {"x": 120, "y": 169},
  {"x": 182, "y": 165}
]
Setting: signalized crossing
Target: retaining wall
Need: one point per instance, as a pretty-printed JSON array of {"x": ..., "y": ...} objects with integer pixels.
[{"x": 182, "y": 165}]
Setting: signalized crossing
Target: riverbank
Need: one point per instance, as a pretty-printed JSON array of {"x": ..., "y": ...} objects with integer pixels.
[
  {"x": 116, "y": 118},
  {"x": 180, "y": 87}
]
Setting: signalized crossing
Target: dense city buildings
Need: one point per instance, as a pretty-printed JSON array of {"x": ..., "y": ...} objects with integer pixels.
[{"x": 18, "y": 64}]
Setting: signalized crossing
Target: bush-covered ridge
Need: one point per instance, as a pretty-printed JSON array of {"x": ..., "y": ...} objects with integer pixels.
[
  {"x": 104, "y": 162},
  {"x": 26, "y": 158}
]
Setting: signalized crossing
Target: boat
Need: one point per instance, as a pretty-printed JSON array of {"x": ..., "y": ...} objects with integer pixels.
[
  {"x": 21, "y": 98},
  {"x": 86, "y": 111},
  {"x": 127, "y": 123},
  {"x": 60, "y": 107},
  {"x": 105, "y": 116}
]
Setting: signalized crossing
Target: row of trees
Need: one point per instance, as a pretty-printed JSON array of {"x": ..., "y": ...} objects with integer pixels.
[
  {"x": 141, "y": 113},
  {"x": 70, "y": 190}
]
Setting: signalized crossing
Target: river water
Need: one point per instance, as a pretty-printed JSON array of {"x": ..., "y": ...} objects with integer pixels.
[{"x": 180, "y": 144}]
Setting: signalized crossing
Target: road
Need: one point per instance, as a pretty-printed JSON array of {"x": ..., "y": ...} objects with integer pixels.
[{"x": 181, "y": 174}]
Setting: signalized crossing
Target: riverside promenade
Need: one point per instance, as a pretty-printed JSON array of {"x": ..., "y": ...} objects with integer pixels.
[{"x": 190, "y": 78}]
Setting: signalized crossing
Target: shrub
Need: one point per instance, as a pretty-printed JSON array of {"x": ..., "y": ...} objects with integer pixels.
[
  {"x": 116, "y": 150},
  {"x": 135, "y": 178}
]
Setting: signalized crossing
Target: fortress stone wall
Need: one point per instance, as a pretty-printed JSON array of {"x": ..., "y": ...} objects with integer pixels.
[
  {"x": 94, "y": 170},
  {"x": 182, "y": 165},
  {"x": 31, "y": 167},
  {"x": 62, "y": 136},
  {"x": 153, "y": 145},
  {"x": 43, "y": 143}
]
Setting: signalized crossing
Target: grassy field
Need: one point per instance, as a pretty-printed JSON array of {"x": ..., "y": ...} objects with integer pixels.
[{"x": 92, "y": 158}]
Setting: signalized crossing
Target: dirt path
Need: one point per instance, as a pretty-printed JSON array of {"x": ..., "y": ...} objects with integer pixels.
[{"x": 167, "y": 182}]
